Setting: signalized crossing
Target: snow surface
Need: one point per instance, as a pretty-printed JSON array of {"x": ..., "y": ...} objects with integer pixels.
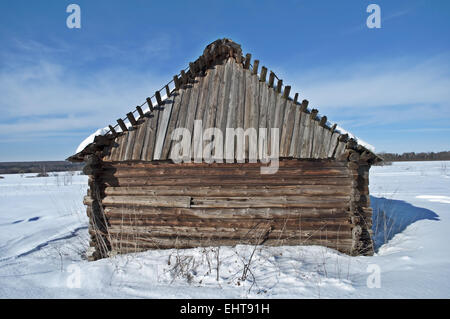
[{"x": 43, "y": 234}]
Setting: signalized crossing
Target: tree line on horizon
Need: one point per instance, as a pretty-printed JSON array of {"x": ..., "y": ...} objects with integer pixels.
[{"x": 412, "y": 156}]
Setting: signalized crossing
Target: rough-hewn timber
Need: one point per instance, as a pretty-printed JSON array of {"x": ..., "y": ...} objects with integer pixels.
[{"x": 139, "y": 199}]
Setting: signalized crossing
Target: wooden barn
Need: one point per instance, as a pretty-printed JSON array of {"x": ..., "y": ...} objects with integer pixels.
[{"x": 268, "y": 171}]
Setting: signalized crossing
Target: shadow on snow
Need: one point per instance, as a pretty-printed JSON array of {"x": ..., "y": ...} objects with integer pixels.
[{"x": 391, "y": 217}]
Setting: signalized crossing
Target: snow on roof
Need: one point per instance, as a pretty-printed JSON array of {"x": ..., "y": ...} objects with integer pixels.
[
  {"x": 360, "y": 141},
  {"x": 102, "y": 131},
  {"x": 90, "y": 139}
]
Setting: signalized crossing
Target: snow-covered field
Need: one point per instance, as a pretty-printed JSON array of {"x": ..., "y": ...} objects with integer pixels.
[{"x": 43, "y": 234}]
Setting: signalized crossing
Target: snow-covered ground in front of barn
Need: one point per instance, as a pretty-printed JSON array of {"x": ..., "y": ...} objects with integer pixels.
[{"x": 43, "y": 234}]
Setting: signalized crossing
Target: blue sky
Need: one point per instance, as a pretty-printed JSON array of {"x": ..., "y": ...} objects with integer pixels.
[{"x": 388, "y": 86}]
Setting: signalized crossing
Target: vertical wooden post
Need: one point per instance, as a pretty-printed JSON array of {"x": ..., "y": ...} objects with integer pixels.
[
  {"x": 323, "y": 121},
  {"x": 271, "y": 79},
  {"x": 255, "y": 67},
  {"x": 122, "y": 125},
  {"x": 141, "y": 113},
  {"x": 131, "y": 118},
  {"x": 263, "y": 74},
  {"x": 113, "y": 131},
  {"x": 158, "y": 98},
  {"x": 230, "y": 52},
  {"x": 313, "y": 114},
  {"x": 248, "y": 58},
  {"x": 167, "y": 91},
  {"x": 287, "y": 90},
  {"x": 304, "y": 106},
  {"x": 201, "y": 63},
  {"x": 279, "y": 85},
  {"x": 295, "y": 98},
  {"x": 192, "y": 69},
  {"x": 184, "y": 78},
  {"x": 176, "y": 82}
]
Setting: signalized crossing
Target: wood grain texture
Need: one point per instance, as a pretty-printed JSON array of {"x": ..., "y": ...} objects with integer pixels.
[
  {"x": 228, "y": 96},
  {"x": 162, "y": 127}
]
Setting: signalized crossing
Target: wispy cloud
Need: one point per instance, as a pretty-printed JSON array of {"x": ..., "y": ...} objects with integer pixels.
[
  {"x": 34, "y": 88},
  {"x": 395, "y": 90}
]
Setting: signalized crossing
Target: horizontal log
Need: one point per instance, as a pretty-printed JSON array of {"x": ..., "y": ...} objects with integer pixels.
[
  {"x": 314, "y": 163},
  {"x": 309, "y": 190},
  {"x": 217, "y": 233},
  {"x": 228, "y": 202},
  {"x": 343, "y": 245},
  {"x": 228, "y": 171},
  {"x": 274, "y": 201},
  {"x": 87, "y": 200},
  {"x": 289, "y": 224},
  {"x": 240, "y": 179},
  {"x": 201, "y": 181},
  {"x": 208, "y": 231},
  {"x": 204, "y": 213},
  {"x": 156, "y": 201}
]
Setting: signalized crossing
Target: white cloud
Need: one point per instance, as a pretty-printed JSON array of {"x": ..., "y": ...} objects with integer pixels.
[
  {"x": 380, "y": 92},
  {"x": 378, "y": 84},
  {"x": 48, "y": 96}
]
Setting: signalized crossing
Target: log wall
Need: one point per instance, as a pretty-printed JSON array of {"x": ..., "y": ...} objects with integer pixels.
[{"x": 165, "y": 205}]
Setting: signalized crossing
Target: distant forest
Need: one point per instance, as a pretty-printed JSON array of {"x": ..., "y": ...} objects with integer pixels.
[
  {"x": 39, "y": 167},
  {"x": 62, "y": 166},
  {"x": 430, "y": 156}
]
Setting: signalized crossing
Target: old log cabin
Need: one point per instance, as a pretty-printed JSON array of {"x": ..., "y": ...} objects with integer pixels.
[{"x": 152, "y": 187}]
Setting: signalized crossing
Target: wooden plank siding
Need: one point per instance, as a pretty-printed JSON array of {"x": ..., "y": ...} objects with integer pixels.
[{"x": 227, "y": 96}]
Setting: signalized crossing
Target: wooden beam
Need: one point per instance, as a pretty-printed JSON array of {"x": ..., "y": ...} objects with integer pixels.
[
  {"x": 262, "y": 78},
  {"x": 255, "y": 67},
  {"x": 248, "y": 58},
  {"x": 304, "y": 106},
  {"x": 231, "y": 52},
  {"x": 122, "y": 125},
  {"x": 271, "y": 79},
  {"x": 150, "y": 104},
  {"x": 192, "y": 68},
  {"x": 141, "y": 113},
  {"x": 167, "y": 90},
  {"x": 239, "y": 58},
  {"x": 295, "y": 98},
  {"x": 184, "y": 77},
  {"x": 113, "y": 131},
  {"x": 176, "y": 82},
  {"x": 131, "y": 118},
  {"x": 313, "y": 114},
  {"x": 158, "y": 98},
  {"x": 287, "y": 90},
  {"x": 201, "y": 63},
  {"x": 323, "y": 121},
  {"x": 279, "y": 85}
]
